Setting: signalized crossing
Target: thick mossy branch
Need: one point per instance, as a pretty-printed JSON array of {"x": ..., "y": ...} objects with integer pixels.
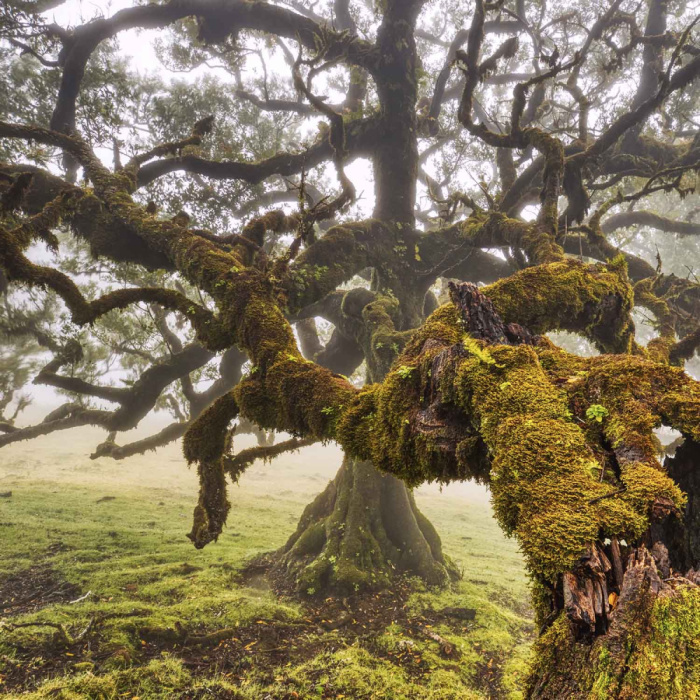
[
  {"x": 680, "y": 296},
  {"x": 453, "y": 403},
  {"x": 19, "y": 268},
  {"x": 88, "y": 219},
  {"x": 639, "y": 396},
  {"x": 343, "y": 252},
  {"x": 685, "y": 348},
  {"x": 594, "y": 301},
  {"x": 493, "y": 229}
]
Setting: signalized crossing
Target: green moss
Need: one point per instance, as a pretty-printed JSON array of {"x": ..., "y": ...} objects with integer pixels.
[
  {"x": 396, "y": 401},
  {"x": 561, "y": 661},
  {"x": 542, "y": 475},
  {"x": 444, "y": 325},
  {"x": 592, "y": 300},
  {"x": 356, "y": 424},
  {"x": 354, "y": 672},
  {"x": 668, "y": 662},
  {"x": 335, "y": 259},
  {"x": 311, "y": 540},
  {"x": 250, "y": 396},
  {"x": 302, "y": 391},
  {"x": 681, "y": 408},
  {"x": 159, "y": 679},
  {"x": 480, "y": 351},
  {"x": 341, "y": 543},
  {"x": 206, "y": 437},
  {"x": 380, "y": 318},
  {"x": 206, "y": 442},
  {"x": 654, "y": 653},
  {"x": 641, "y": 395}
]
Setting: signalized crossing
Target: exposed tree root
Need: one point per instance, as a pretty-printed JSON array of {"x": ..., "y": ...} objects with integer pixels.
[{"x": 62, "y": 635}]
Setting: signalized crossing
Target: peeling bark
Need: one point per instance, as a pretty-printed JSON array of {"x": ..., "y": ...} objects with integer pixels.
[{"x": 640, "y": 640}]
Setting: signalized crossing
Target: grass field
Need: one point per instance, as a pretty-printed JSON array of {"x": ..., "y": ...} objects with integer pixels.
[{"x": 155, "y": 618}]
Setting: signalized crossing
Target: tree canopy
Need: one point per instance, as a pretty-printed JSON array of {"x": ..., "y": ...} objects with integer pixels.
[{"x": 211, "y": 242}]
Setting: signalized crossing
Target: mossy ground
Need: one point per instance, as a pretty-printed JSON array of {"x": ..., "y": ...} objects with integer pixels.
[{"x": 131, "y": 552}]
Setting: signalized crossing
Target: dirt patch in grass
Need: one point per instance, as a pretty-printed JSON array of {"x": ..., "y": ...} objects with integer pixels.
[
  {"x": 26, "y": 669},
  {"x": 489, "y": 674},
  {"x": 328, "y": 624},
  {"x": 265, "y": 645},
  {"x": 34, "y": 588},
  {"x": 209, "y": 694}
]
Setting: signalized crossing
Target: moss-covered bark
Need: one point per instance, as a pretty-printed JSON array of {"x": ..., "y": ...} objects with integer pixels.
[
  {"x": 651, "y": 645},
  {"x": 651, "y": 649},
  {"x": 361, "y": 531}
]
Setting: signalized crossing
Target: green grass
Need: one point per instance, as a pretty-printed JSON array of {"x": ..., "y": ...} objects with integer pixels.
[{"x": 132, "y": 554}]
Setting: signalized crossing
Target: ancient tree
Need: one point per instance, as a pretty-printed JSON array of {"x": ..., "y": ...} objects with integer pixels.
[{"x": 575, "y": 123}]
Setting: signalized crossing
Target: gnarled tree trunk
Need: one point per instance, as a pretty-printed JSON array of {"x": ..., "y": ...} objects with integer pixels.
[
  {"x": 649, "y": 644},
  {"x": 365, "y": 527},
  {"x": 357, "y": 534}
]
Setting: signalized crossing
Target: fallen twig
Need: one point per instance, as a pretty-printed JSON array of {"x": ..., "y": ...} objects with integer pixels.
[
  {"x": 82, "y": 597},
  {"x": 447, "y": 648}
]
